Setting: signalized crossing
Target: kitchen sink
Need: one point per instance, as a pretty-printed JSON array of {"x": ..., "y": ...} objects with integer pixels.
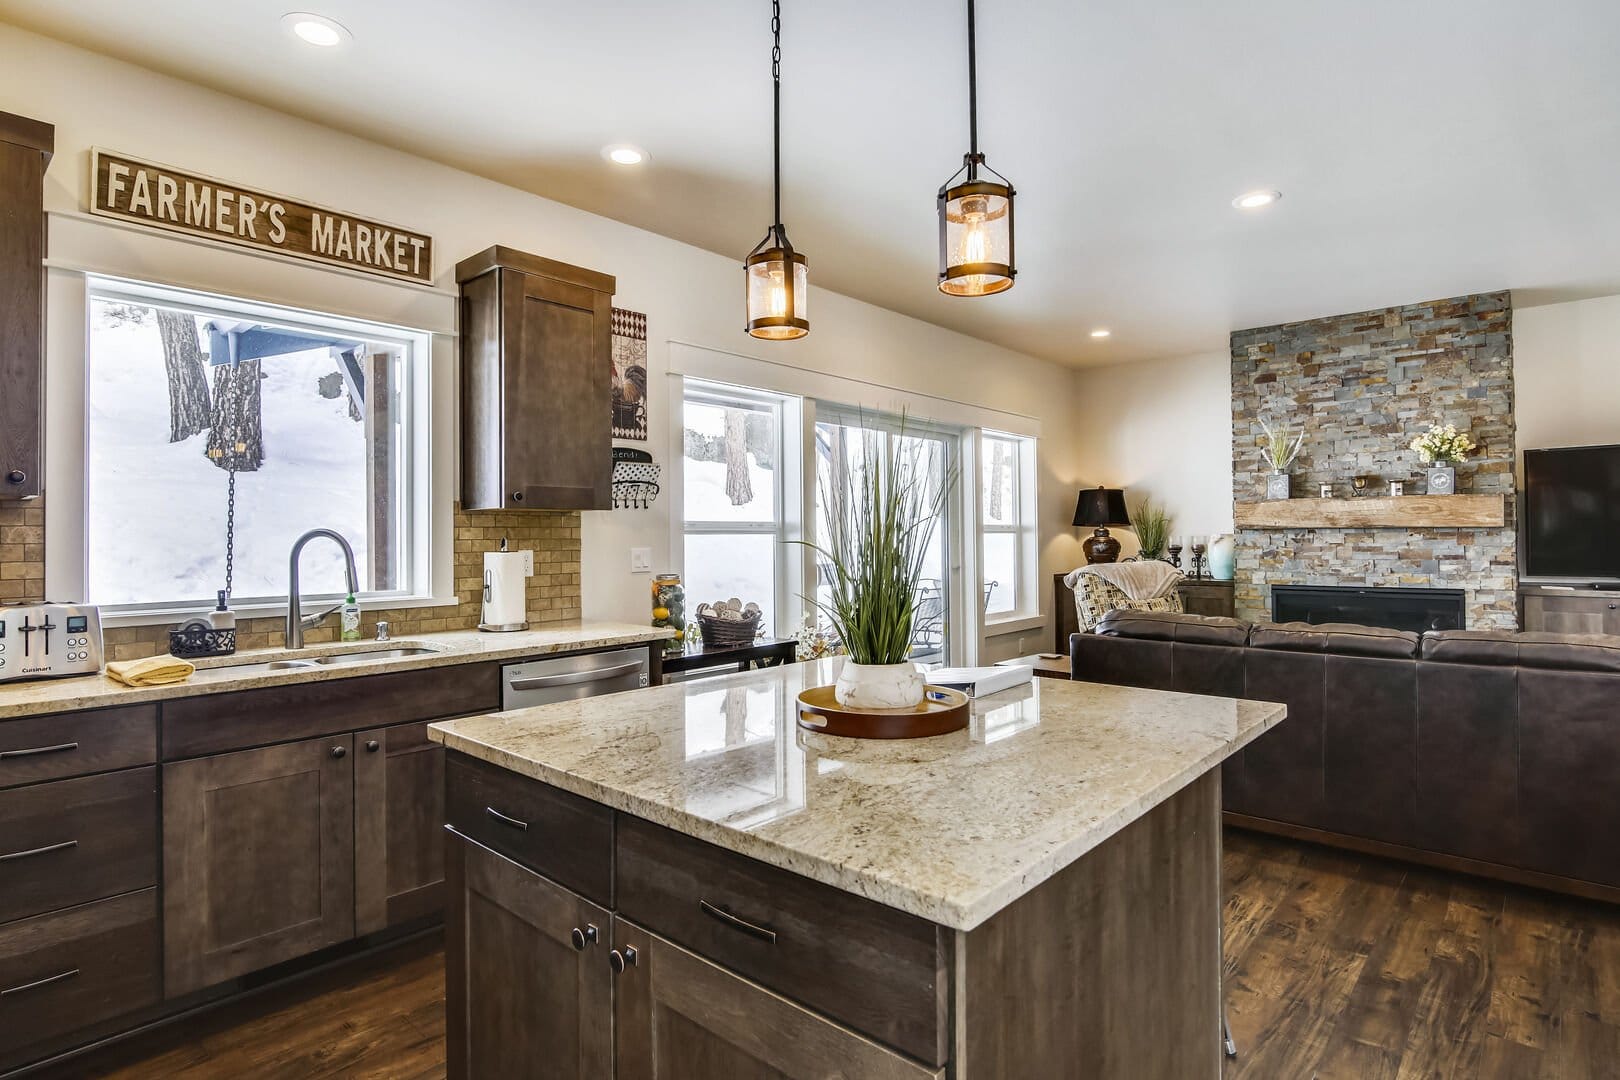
[{"x": 333, "y": 659}]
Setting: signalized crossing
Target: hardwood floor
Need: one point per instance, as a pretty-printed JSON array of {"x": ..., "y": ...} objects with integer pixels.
[{"x": 1338, "y": 966}]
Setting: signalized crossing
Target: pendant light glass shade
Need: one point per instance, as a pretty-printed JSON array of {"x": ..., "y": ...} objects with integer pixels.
[
  {"x": 778, "y": 298},
  {"x": 975, "y": 238},
  {"x": 776, "y": 279},
  {"x": 975, "y": 212}
]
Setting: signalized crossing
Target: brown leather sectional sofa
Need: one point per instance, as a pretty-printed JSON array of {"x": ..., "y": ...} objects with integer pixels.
[{"x": 1489, "y": 752}]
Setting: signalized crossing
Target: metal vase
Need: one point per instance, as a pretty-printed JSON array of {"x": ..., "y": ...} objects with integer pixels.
[
  {"x": 1443, "y": 480},
  {"x": 1278, "y": 485}
]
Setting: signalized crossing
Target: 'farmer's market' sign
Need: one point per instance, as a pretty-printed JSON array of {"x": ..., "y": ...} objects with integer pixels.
[{"x": 124, "y": 187}]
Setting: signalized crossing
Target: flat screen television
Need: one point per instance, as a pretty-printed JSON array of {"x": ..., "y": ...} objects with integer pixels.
[{"x": 1572, "y": 514}]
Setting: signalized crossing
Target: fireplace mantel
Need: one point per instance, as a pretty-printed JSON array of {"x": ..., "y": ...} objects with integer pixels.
[{"x": 1404, "y": 512}]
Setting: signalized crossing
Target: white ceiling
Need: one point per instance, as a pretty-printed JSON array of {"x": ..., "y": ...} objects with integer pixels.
[{"x": 1425, "y": 148}]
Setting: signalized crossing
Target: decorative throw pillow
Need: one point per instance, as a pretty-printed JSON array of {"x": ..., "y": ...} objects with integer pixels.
[{"x": 1094, "y": 598}]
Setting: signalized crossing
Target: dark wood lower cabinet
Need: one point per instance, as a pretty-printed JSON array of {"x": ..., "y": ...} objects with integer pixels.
[
  {"x": 398, "y": 827},
  {"x": 676, "y": 1016},
  {"x": 258, "y": 859},
  {"x": 541, "y": 1004}
]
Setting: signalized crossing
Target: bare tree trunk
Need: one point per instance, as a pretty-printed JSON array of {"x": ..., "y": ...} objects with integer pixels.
[
  {"x": 998, "y": 458},
  {"x": 738, "y": 486},
  {"x": 237, "y": 437},
  {"x": 190, "y": 407}
]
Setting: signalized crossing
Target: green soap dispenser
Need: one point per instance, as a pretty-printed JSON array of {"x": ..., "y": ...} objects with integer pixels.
[{"x": 350, "y": 620}]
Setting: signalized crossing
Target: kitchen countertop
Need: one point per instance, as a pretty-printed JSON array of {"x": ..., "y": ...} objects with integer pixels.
[
  {"x": 952, "y": 829},
  {"x": 219, "y": 674}
]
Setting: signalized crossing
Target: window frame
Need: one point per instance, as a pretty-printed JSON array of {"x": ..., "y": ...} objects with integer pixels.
[
  {"x": 722, "y": 394},
  {"x": 1024, "y": 528},
  {"x": 415, "y": 409}
]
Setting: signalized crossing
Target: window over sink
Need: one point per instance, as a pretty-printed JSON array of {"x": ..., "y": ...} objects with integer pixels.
[{"x": 218, "y": 431}]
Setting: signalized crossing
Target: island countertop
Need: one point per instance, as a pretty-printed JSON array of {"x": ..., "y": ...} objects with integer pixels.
[{"x": 951, "y": 829}]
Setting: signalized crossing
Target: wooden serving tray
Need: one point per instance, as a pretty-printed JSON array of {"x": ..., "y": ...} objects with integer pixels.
[{"x": 942, "y": 711}]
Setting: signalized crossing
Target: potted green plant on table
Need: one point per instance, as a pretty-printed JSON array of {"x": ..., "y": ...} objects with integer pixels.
[
  {"x": 1152, "y": 525},
  {"x": 881, "y": 509},
  {"x": 1442, "y": 450}
]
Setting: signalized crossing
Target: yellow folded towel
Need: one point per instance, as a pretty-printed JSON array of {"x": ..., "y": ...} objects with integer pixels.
[{"x": 151, "y": 671}]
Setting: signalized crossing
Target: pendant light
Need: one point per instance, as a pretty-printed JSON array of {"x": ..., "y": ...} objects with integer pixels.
[
  {"x": 975, "y": 214},
  {"x": 776, "y": 278}
]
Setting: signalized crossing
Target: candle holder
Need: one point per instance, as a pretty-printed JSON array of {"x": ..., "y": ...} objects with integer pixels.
[
  {"x": 1175, "y": 555},
  {"x": 1199, "y": 547}
]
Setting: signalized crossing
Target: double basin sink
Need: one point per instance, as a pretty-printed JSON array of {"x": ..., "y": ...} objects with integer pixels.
[{"x": 320, "y": 660}]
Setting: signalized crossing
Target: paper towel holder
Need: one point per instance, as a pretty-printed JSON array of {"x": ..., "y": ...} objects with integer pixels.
[{"x": 488, "y": 595}]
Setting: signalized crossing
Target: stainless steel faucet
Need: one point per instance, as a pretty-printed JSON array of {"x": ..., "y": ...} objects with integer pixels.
[{"x": 297, "y": 621}]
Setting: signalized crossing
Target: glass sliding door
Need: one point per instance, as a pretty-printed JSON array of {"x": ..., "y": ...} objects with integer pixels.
[{"x": 844, "y": 440}]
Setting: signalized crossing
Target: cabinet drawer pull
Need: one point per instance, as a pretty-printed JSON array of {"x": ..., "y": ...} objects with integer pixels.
[
  {"x": 32, "y": 750},
  {"x": 767, "y": 936},
  {"x": 40, "y": 984},
  {"x": 46, "y": 850},
  {"x": 521, "y": 826}
]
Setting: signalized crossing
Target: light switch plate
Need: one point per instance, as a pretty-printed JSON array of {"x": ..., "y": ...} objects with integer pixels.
[
  {"x": 528, "y": 563},
  {"x": 641, "y": 560}
]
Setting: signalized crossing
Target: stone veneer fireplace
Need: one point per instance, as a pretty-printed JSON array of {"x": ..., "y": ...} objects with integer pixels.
[{"x": 1364, "y": 385}]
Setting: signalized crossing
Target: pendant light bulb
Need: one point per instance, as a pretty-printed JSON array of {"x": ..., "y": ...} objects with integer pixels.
[
  {"x": 776, "y": 278},
  {"x": 975, "y": 211}
]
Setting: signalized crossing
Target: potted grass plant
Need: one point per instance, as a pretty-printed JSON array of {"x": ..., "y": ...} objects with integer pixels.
[
  {"x": 1152, "y": 525},
  {"x": 881, "y": 510},
  {"x": 1282, "y": 445}
]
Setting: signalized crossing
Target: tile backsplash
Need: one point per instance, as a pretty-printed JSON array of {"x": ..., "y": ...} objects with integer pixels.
[
  {"x": 22, "y": 551},
  {"x": 553, "y": 591}
]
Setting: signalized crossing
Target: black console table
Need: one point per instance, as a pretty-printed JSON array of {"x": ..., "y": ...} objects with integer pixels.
[{"x": 764, "y": 652}]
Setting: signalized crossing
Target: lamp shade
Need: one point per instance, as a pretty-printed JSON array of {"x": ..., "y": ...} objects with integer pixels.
[{"x": 1101, "y": 507}]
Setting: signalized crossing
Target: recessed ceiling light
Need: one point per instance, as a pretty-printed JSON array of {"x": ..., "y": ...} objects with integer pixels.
[
  {"x": 1100, "y": 332},
  {"x": 624, "y": 154},
  {"x": 1254, "y": 200},
  {"x": 315, "y": 30}
]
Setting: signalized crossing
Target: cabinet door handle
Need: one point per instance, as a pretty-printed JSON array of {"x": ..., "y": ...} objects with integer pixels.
[
  {"x": 521, "y": 826},
  {"x": 582, "y": 938},
  {"x": 618, "y": 961},
  {"x": 32, "y": 750},
  {"x": 372, "y": 745},
  {"x": 726, "y": 917},
  {"x": 339, "y": 751},
  {"x": 46, "y": 850},
  {"x": 40, "y": 984}
]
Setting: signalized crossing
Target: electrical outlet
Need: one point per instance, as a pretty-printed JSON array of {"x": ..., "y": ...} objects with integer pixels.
[
  {"x": 641, "y": 560},
  {"x": 528, "y": 563}
]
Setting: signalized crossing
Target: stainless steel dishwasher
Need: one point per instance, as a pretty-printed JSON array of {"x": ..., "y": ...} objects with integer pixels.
[{"x": 568, "y": 677}]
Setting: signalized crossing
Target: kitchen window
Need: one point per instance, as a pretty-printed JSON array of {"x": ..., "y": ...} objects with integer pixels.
[
  {"x": 733, "y": 493},
  {"x": 218, "y": 431},
  {"x": 1008, "y": 551}
]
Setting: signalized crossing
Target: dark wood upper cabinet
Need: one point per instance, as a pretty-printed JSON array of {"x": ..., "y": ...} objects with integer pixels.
[
  {"x": 25, "y": 149},
  {"x": 536, "y": 383}
]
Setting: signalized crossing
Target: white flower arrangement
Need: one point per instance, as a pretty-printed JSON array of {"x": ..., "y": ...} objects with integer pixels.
[
  {"x": 1443, "y": 444},
  {"x": 816, "y": 641},
  {"x": 1282, "y": 445}
]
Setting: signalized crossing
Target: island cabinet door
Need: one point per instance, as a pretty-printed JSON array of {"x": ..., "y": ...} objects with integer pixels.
[
  {"x": 676, "y": 1016},
  {"x": 398, "y": 827},
  {"x": 528, "y": 991},
  {"x": 258, "y": 859}
]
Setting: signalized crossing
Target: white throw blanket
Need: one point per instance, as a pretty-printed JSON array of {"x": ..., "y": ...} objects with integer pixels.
[{"x": 1146, "y": 580}]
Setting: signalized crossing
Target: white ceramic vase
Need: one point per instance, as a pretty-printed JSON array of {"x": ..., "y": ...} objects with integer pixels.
[{"x": 879, "y": 686}]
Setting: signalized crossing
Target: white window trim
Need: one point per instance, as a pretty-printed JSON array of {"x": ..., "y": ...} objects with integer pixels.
[
  {"x": 1026, "y": 612},
  {"x": 68, "y": 371}
]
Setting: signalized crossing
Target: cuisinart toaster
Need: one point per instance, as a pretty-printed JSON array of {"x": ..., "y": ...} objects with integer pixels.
[{"x": 39, "y": 641}]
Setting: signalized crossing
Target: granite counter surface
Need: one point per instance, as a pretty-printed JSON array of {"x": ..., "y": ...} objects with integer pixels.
[
  {"x": 952, "y": 829},
  {"x": 217, "y": 675}
]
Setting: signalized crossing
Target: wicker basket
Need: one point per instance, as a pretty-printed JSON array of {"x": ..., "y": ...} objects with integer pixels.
[{"x": 728, "y": 633}]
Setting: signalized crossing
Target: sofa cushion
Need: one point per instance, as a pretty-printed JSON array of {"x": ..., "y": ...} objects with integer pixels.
[
  {"x": 1556, "y": 652},
  {"x": 1174, "y": 626},
  {"x": 1339, "y": 639}
]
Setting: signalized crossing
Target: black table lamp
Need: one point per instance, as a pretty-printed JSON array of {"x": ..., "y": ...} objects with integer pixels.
[{"x": 1099, "y": 508}]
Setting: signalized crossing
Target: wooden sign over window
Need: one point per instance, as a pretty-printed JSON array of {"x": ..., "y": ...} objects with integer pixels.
[{"x": 156, "y": 195}]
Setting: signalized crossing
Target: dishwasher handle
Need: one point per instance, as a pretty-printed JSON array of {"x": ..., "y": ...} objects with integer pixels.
[{"x": 573, "y": 678}]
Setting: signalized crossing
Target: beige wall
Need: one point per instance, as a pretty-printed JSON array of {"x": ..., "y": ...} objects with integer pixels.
[
  {"x": 1161, "y": 429},
  {"x": 1566, "y": 360},
  {"x": 688, "y": 294}
]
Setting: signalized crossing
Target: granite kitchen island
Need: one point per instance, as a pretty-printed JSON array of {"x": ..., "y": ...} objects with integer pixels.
[{"x": 678, "y": 882}]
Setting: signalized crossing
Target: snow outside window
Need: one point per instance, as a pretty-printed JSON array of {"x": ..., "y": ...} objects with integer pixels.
[
  {"x": 733, "y": 482},
  {"x": 1007, "y": 526},
  {"x": 309, "y": 415}
]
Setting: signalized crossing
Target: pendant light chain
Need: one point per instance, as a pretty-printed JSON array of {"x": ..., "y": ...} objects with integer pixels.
[
  {"x": 776, "y": 124},
  {"x": 973, "y": 95}
]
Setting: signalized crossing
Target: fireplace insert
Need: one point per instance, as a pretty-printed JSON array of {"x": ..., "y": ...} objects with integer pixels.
[{"x": 1399, "y": 609}]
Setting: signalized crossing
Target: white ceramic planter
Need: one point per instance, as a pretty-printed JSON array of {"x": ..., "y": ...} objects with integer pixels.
[{"x": 879, "y": 686}]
